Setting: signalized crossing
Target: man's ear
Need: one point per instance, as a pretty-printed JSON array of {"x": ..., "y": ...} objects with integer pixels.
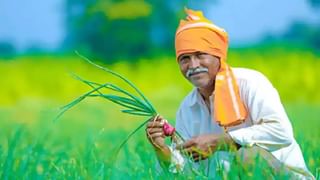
[{"x": 219, "y": 58}]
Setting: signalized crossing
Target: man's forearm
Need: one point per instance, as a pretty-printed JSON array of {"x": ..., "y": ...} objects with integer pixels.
[{"x": 164, "y": 156}]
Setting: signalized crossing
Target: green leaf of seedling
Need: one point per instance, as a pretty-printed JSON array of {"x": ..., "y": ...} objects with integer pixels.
[
  {"x": 127, "y": 139},
  {"x": 138, "y": 113},
  {"x": 113, "y": 87},
  {"x": 117, "y": 100},
  {"x": 77, "y": 100},
  {"x": 119, "y": 76}
]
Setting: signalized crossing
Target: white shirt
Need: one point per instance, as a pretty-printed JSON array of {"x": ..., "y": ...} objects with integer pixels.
[{"x": 267, "y": 124}]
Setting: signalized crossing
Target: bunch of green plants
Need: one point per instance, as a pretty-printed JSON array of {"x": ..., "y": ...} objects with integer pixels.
[{"x": 133, "y": 104}]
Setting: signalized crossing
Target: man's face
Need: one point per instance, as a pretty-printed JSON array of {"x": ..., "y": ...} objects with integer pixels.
[{"x": 199, "y": 68}]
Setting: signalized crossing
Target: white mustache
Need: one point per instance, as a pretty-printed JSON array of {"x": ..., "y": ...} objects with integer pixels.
[{"x": 196, "y": 70}]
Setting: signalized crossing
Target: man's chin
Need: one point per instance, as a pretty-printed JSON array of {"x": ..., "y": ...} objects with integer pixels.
[{"x": 200, "y": 84}]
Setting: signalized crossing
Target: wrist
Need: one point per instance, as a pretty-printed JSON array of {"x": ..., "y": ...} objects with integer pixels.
[
  {"x": 163, "y": 148},
  {"x": 163, "y": 153}
]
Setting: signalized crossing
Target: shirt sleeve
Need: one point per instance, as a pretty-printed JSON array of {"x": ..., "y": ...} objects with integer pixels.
[{"x": 271, "y": 127}]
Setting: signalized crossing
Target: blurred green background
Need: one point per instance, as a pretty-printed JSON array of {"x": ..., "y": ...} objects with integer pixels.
[{"x": 135, "y": 39}]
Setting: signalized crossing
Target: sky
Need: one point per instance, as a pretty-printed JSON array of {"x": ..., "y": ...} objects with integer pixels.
[
  {"x": 248, "y": 21},
  {"x": 32, "y": 23},
  {"x": 41, "y": 22}
]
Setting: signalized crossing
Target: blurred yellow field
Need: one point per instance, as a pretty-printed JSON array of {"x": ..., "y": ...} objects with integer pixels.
[
  {"x": 33, "y": 88},
  {"x": 294, "y": 73}
]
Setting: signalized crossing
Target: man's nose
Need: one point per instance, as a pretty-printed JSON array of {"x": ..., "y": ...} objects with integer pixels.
[{"x": 194, "y": 62}]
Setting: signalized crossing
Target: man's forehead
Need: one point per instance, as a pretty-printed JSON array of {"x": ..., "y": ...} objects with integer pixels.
[
  {"x": 196, "y": 53},
  {"x": 192, "y": 53}
]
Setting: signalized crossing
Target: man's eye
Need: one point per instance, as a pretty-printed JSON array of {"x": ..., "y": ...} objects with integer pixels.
[
  {"x": 184, "y": 59},
  {"x": 201, "y": 55}
]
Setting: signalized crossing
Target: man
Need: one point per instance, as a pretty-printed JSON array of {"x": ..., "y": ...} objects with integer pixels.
[{"x": 232, "y": 113}]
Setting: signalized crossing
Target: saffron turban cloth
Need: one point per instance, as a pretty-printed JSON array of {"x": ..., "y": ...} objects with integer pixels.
[{"x": 196, "y": 33}]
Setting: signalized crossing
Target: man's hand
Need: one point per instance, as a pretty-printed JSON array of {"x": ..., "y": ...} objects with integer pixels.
[
  {"x": 203, "y": 146},
  {"x": 155, "y": 135},
  {"x": 154, "y": 132}
]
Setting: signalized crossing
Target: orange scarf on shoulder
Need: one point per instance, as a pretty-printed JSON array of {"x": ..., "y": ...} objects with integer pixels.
[{"x": 197, "y": 33}]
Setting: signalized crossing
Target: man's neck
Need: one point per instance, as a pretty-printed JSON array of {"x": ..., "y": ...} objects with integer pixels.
[{"x": 206, "y": 92}]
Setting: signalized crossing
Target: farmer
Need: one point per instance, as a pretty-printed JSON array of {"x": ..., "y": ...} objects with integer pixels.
[{"x": 232, "y": 114}]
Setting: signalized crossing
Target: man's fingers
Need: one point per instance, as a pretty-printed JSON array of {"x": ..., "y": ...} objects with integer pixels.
[
  {"x": 155, "y": 124},
  {"x": 189, "y": 151},
  {"x": 195, "y": 155},
  {"x": 156, "y": 135},
  {"x": 153, "y": 130},
  {"x": 186, "y": 145},
  {"x": 156, "y": 119},
  {"x": 198, "y": 157},
  {"x": 180, "y": 147},
  {"x": 160, "y": 118}
]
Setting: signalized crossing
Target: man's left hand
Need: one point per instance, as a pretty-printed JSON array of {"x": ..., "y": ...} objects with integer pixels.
[{"x": 202, "y": 146}]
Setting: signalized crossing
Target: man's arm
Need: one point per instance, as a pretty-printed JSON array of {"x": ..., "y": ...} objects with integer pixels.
[
  {"x": 156, "y": 137},
  {"x": 271, "y": 127},
  {"x": 203, "y": 146}
]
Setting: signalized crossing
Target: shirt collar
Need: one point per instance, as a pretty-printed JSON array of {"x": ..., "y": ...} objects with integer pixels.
[{"x": 196, "y": 97}]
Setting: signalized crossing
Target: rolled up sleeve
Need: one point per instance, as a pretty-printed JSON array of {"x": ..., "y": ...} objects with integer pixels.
[{"x": 271, "y": 128}]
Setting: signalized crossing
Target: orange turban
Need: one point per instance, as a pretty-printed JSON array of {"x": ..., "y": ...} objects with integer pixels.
[{"x": 197, "y": 33}]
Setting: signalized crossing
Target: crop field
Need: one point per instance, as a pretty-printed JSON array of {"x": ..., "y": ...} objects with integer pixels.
[{"x": 81, "y": 144}]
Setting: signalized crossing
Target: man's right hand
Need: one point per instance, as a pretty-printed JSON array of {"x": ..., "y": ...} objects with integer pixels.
[{"x": 155, "y": 134}]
